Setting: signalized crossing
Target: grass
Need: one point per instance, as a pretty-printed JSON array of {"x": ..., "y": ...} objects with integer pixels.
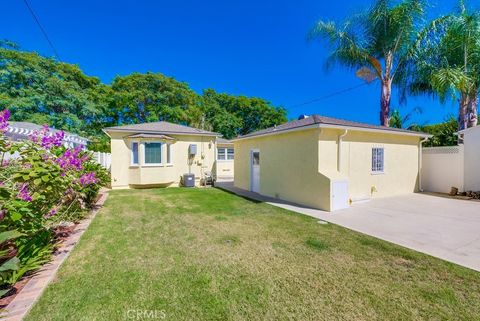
[{"x": 197, "y": 254}]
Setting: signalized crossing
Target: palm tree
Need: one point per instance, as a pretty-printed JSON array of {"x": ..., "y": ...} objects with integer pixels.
[
  {"x": 376, "y": 43},
  {"x": 397, "y": 120},
  {"x": 448, "y": 62}
]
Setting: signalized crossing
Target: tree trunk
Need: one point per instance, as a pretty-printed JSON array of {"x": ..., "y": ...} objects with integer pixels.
[
  {"x": 385, "y": 98},
  {"x": 472, "y": 109},
  {"x": 462, "y": 114},
  {"x": 462, "y": 111}
]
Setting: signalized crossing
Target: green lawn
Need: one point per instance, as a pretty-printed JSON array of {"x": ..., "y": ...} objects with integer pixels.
[{"x": 206, "y": 254}]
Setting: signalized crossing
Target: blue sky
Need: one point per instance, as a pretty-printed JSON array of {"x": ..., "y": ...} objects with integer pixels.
[{"x": 253, "y": 48}]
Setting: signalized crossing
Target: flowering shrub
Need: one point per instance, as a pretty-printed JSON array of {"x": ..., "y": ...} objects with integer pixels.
[{"x": 45, "y": 185}]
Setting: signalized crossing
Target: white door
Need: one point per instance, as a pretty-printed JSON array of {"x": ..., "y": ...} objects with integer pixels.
[
  {"x": 339, "y": 195},
  {"x": 255, "y": 170}
]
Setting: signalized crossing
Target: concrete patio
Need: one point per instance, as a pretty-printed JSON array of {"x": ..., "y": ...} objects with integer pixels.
[{"x": 445, "y": 228}]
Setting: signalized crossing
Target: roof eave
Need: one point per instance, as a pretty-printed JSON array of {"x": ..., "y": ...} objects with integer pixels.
[
  {"x": 376, "y": 130},
  {"x": 419, "y": 134},
  {"x": 281, "y": 131},
  {"x": 112, "y": 129}
]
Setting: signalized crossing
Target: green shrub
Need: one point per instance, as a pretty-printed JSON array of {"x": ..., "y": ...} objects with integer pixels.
[{"x": 46, "y": 184}]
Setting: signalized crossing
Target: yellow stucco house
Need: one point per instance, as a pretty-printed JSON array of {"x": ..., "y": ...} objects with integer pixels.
[
  {"x": 159, "y": 153},
  {"x": 328, "y": 163}
]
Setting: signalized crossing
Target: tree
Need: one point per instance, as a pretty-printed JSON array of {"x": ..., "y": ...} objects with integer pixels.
[
  {"x": 444, "y": 134},
  {"x": 448, "y": 63},
  {"x": 140, "y": 98},
  {"x": 43, "y": 90},
  {"x": 240, "y": 115},
  {"x": 376, "y": 43},
  {"x": 397, "y": 120}
]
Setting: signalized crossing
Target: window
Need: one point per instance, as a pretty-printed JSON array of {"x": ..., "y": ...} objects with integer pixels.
[
  {"x": 169, "y": 153},
  {"x": 225, "y": 153},
  {"x": 134, "y": 159},
  {"x": 230, "y": 154},
  {"x": 153, "y": 153},
  {"x": 256, "y": 158},
  {"x": 221, "y": 153},
  {"x": 378, "y": 160}
]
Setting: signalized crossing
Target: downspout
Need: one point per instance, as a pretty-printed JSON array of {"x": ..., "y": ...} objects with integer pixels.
[
  {"x": 339, "y": 151},
  {"x": 420, "y": 156}
]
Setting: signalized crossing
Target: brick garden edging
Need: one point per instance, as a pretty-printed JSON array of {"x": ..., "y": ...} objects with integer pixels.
[{"x": 26, "y": 298}]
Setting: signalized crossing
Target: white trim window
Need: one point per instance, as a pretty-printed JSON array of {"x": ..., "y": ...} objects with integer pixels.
[
  {"x": 169, "y": 153},
  {"x": 134, "y": 161},
  {"x": 153, "y": 153},
  {"x": 378, "y": 160},
  {"x": 224, "y": 154},
  {"x": 230, "y": 154}
]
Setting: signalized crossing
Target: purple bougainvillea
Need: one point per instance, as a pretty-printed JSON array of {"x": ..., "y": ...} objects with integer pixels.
[
  {"x": 51, "y": 213},
  {"x": 46, "y": 139},
  {"x": 23, "y": 193},
  {"x": 87, "y": 179},
  {"x": 4, "y": 117},
  {"x": 71, "y": 159}
]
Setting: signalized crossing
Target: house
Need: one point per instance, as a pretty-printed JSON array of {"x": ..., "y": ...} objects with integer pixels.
[
  {"x": 159, "y": 154},
  {"x": 23, "y": 130},
  {"x": 328, "y": 163},
  {"x": 225, "y": 158}
]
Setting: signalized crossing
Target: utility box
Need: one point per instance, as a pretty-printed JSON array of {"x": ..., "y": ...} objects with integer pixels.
[
  {"x": 189, "y": 180},
  {"x": 192, "y": 150}
]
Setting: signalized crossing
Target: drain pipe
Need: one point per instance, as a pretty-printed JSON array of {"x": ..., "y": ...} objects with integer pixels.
[
  {"x": 339, "y": 151},
  {"x": 420, "y": 156}
]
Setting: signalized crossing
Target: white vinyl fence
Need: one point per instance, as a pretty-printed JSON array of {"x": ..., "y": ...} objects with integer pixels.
[
  {"x": 104, "y": 159},
  {"x": 443, "y": 168}
]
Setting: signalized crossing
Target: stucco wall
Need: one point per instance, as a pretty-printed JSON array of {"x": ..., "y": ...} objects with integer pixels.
[
  {"x": 300, "y": 166},
  {"x": 401, "y": 154},
  {"x": 472, "y": 159},
  {"x": 125, "y": 175},
  {"x": 443, "y": 168},
  {"x": 288, "y": 168}
]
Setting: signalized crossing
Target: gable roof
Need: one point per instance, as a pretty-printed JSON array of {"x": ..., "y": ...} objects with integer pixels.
[
  {"x": 161, "y": 127},
  {"x": 325, "y": 122}
]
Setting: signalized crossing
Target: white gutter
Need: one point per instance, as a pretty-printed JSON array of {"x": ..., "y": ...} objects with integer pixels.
[
  {"x": 339, "y": 151},
  {"x": 376, "y": 130},
  {"x": 420, "y": 156}
]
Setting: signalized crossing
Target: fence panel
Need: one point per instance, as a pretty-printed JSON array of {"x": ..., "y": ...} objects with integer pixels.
[
  {"x": 104, "y": 159},
  {"x": 442, "y": 168}
]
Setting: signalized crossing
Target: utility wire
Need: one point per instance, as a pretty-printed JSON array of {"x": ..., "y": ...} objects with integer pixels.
[
  {"x": 330, "y": 95},
  {"x": 41, "y": 28}
]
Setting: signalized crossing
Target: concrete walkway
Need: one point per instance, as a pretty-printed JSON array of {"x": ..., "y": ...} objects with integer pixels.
[{"x": 445, "y": 228}]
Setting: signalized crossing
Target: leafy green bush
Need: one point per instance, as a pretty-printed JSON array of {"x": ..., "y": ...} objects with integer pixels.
[{"x": 45, "y": 184}]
